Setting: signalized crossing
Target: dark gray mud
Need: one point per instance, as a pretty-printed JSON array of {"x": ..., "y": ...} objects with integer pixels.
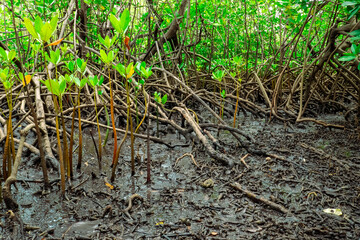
[{"x": 311, "y": 168}]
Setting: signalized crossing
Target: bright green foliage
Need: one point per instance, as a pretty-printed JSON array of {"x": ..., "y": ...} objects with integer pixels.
[
  {"x": 54, "y": 58},
  {"x": 121, "y": 25},
  {"x": 56, "y": 87},
  {"x": 7, "y": 56},
  {"x": 159, "y": 99},
  {"x": 223, "y": 93},
  {"x": 218, "y": 75},
  {"x": 5, "y": 78},
  {"x": 355, "y": 50},
  {"x": 144, "y": 72},
  {"x": 64, "y": 47},
  {"x": 354, "y": 7},
  {"x": 71, "y": 66},
  {"x": 107, "y": 58},
  {"x": 80, "y": 83},
  {"x": 39, "y": 30},
  {"x": 96, "y": 82},
  {"x": 107, "y": 42},
  {"x": 81, "y": 65},
  {"x": 126, "y": 72},
  {"x": 237, "y": 60}
]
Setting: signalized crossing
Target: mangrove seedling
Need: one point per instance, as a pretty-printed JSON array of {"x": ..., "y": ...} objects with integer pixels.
[
  {"x": 42, "y": 32},
  {"x": 108, "y": 59},
  {"x": 57, "y": 88},
  {"x": 9, "y": 148},
  {"x": 145, "y": 73},
  {"x": 80, "y": 83},
  {"x": 121, "y": 25},
  {"x": 70, "y": 79},
  {"x": 55, "y": 58},
  {"x": 127, "y": 73},
  {"x": 96, "y": 83},
  {"x": 219, "y": 75},
  {"x": 160, "y": 101},
  {"x": 237, "y": 61}
]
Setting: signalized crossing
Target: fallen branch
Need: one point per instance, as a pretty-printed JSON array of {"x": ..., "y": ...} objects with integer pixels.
[
  {"x": 253, "y": 196},
  {"x": 212, "y": 152},
  {"x": 130, "y": 204}
]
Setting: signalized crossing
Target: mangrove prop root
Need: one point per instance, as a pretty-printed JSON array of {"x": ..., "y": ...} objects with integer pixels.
[
  {"x": 212, "y": 152},
  {"x": 9, "y": 201}
]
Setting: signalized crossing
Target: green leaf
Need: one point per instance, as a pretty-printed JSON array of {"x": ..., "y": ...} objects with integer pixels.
[
  {"x": 57, "y": 57},
  {"x": 46, "y": 32},
  {"x": 354, "y": 11},
  {"x": 52, "y": 86},
  {"x": 77, "y": 81},
  {"x": 355, "y": 33},
  {"x": 62, "y": 86},
  {"x": 38, "y": 25},
  {"x": 11, "y": 55},
  {"x": 110, "y": 56},
  {"x": 71, "y": 65},
  {"x": 30, "y": 27},
  {"x": 101, "y": 40},
  {"x": 107, "y": 42},
  {"x": 348, "y": 3},
  {"x": 93, "y": 81},
  {"x": 121, "y": 69},
  {"x": 353, "y": 48},
  {"x": 164, "y": 99},
  {"x": 100, "y": 81},
  {"x": 53, "y": 22},
  {"x": 83, "y": 82},
  {"x": 124, "y": 21},
  {"x": 81, "y": 65},
  {"x": 8, "y": 84},
  {"x": 3, "y": 54},
  {"x": 223, "y": 94},
  {"x": 347, "y": 58},
  {"x": 115, "y": 22},
  {"x": 21, "y": 76},
  {"x": 103, "y": 56}
]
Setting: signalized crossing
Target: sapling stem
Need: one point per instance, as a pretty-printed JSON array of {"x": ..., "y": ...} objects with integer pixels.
[
  {"x": 237, "y": 103},
  {"x": 157, "y": 120},
  {"x": 72, "y": 141},
  {"x": 108, "y": 124},
  {"x": 99, "y": 133},
  {"x": 148, "y": 164},
  {"x": 61, "y": 160},
  {"x": 131, "y": 132},
  {"x": 80, "y": 131},
  {"x": 113, "y": 119}
]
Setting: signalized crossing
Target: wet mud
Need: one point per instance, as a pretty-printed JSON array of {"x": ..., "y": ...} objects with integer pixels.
[{"x": 309, "y": 169}]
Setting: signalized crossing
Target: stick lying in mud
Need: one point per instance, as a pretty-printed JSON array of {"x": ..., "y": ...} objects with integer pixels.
[
  {"x": 130, "y": 205},
  {"x": 252, "y": 195}
]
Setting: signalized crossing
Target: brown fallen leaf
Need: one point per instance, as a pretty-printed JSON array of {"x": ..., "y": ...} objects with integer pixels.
[{"x": 57, "y": 42}]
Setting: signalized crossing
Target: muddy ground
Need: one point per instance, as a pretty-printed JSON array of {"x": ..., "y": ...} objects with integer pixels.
[{"x": 309, "y": 168}]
